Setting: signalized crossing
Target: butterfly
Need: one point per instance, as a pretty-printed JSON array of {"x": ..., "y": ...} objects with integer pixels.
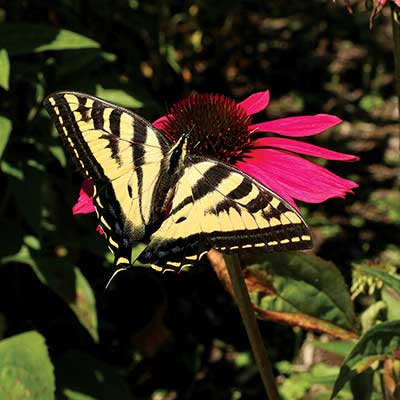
[{"x": 147, "y": 189}]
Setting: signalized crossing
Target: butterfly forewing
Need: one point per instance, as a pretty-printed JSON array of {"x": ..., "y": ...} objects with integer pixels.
[
  {"x": 218, "y": 206},
  {"x": 121, "y": 153}
]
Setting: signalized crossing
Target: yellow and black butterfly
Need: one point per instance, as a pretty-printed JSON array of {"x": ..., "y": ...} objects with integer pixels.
[{"x": 148, "y": 189}]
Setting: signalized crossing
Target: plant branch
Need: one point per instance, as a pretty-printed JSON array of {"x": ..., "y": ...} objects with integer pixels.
[{"x": 241, "y": 295}]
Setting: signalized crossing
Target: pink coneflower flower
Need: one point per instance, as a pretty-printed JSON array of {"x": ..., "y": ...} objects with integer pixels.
[{"x": 222, "y": 129}]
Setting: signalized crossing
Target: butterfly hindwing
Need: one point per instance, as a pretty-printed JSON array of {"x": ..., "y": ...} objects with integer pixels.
[
  {"x": 121, "y": 153},
  {"x": 218, "y": 206}
]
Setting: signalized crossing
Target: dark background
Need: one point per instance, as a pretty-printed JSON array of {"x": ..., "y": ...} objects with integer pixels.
[{"x": 314, "y": 57}]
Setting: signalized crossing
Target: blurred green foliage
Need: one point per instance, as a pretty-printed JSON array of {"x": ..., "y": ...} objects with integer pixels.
[{"x": 180, "y": 337}]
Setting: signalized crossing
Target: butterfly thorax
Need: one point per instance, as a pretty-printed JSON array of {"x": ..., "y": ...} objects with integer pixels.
[{"x": 174, "y": 165}]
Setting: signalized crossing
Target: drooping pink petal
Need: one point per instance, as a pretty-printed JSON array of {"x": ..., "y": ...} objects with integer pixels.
[
  {"x": 160, "y": 122},
  {"x": 84, "y": 205},
  {"x": 301, "y": 179},
  {"x": 306, "y": 125},
  {"x": 255, "y": 103},
  {"x": 302, "y": 148}
]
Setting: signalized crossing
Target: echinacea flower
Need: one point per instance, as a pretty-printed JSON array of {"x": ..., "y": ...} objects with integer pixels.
[{"x": 221, "y": 128}]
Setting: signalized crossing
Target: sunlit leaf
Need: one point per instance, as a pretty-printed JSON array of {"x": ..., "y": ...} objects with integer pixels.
[
  {"x": 26, "y": 371},
  {"x": 5, "y": 130},
  {"x": 118, "y": 96},
  {"x": 24, "y": 38},
  {"x": 4, "y": 69},
  {"x": 377, "y": 344},
  {"x": 83, "y": 377}
]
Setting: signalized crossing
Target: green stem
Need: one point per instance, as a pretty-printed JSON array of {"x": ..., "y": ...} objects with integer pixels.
[
  {"x": 396, "y": 49},
  {"x": 249, "y": 320}
]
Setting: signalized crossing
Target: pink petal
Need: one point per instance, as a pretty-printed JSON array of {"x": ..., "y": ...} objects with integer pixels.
[
  {"x": 269, "y": 182},
  {"x": 99, "y": 230},
  {"x": 302, "y": 148},
  {"x": 256, "y": 102},
  {"x": 84, "y": 205},
  {"x": 160, "y": 122},
  {"x": 300, "y": 178},
  {"x": 306, "y": 125}
]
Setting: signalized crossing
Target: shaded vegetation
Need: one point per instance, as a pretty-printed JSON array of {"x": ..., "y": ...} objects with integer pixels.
[{"x": 168, "y": 336}]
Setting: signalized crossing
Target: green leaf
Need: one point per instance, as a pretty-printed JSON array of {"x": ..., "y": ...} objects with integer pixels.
[
  {"x": 118, "y": 96},
  {"x": 281, "y": 286},
  {"x": 10, "y": 238},
  {"x": 362, "y": 385},
  {"x": 24, "y": 38},
  {"x": 69, "y": 283},
  {"x": 65, "y": 280},
  {"x": 26, "y": 371},
  {"x": 376, "y": 344},
  {"x": 5, "y": 130},
  {"x": 339, "y": 347},
  {"x": 83, "y": 377},
  {"x": 59, "y": 154},
  {"x": 171, "y": 56},
  {"x": 4, "y": 69},
  {"x": 28, "y": 192},
  {"x": 392, "y": 299}
]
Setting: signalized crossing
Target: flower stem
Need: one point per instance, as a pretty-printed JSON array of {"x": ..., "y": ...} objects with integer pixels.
[
  {"x": 396, "y": 50},
  {"x": 249, "y": 320}
]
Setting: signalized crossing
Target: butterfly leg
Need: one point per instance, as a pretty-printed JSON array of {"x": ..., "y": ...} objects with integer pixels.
[{"x": 122, "y": 260}]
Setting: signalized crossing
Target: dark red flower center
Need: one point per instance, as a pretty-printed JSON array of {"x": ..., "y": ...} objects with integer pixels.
[{"x": 218, "y": 126}]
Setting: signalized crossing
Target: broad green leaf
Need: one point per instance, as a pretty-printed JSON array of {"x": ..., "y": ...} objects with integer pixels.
[
  {"x": 281, "y": 286},
  {"x": 118, "y": 96},
  {"x": 26, "y": 371},
  {"x": 4, "y": 69},
  {"x": 65, "y": 280},
  {"x": 83, "y": 377},
  {"x": 377, "y": 344},
  {"x": 5, "y": 130},
  {"x": 24, "y": 38}
]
